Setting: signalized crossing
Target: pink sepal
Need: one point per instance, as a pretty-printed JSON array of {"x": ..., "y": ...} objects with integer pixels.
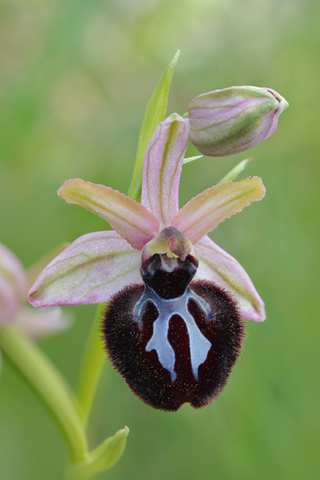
[
  {"x": 162, "y": 168},
  {"x": 91, "y": 270},
  {"x": 42, "y": 322},
  {"x": 219, "y": 267},
  {"x": 13, "y": 284}
]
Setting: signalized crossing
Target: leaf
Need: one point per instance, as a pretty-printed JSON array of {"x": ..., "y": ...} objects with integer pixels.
[
  {"x": 101, "y": 458},
  {"x": 191, "y": 159},
  {"x": 235, "y": 171},
  {"x": 154, "y": 114}
]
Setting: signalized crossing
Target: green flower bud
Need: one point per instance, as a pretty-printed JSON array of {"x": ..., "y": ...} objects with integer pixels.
[{"x": 232, "y": 120}]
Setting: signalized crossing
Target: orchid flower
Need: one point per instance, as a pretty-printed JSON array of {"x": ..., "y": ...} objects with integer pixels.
[
  {"x": 174, "y": 325},
  {"x": 14, "y": 284}
]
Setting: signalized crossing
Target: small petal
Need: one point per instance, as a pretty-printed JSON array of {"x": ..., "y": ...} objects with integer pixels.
[
  {"x": 162, "y": 168},
  {"x": 91, "y": 270},
  {"x": 219, "y": 267},
  {"x": 42, "y": 322},
  {"x": 130, "y": 219},
  {"x": 234, "y": 119},
  {"x": 13, "y": 284},
  {"x": 205, "y": 211}
]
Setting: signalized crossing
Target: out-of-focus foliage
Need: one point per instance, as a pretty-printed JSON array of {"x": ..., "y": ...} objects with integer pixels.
[{"x": 75, "y": 80}]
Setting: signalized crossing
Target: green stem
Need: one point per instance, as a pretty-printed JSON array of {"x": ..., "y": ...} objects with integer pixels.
[
  {"x": 94, "y": 357},
  {"x": 92, "y": 364},
  {"x": 48, "y": 385}
]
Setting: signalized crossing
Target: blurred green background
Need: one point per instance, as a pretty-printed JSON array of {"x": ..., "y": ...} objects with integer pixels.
[{"x": 75, "y": 80}]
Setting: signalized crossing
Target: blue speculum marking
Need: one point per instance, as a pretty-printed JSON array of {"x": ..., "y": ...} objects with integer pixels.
[{"x": 199, "y": 344}]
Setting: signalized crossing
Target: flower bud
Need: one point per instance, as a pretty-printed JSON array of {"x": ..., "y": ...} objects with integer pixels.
[{"x": 234, "y": 119}]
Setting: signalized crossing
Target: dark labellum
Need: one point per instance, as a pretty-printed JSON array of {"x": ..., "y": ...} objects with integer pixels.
[{"x": 174, "y": 340}]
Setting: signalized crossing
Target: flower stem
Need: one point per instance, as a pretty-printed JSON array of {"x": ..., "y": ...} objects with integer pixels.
[
  {"x": 47, "y": 383},
  {"x": 92, "y": 364},
  {"x": 94, "y": 357}
]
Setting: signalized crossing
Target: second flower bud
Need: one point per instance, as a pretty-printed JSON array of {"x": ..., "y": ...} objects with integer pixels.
[{"x": 232, "y": 120}]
